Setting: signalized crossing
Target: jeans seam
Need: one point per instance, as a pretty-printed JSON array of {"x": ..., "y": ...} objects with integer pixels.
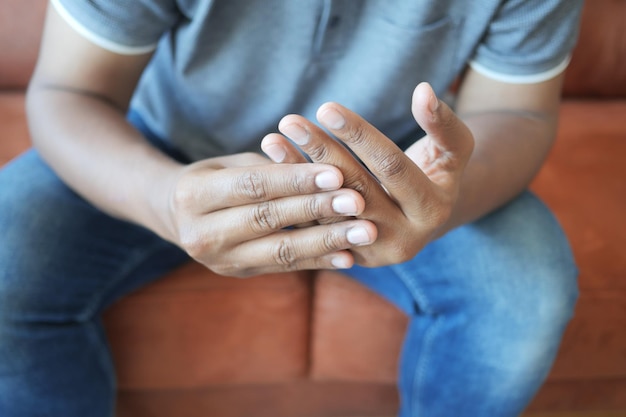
[
  {"x": 418, "y": 294},
  {"x": 423, "y": 361},
  {"x": 421, "y": 366}
]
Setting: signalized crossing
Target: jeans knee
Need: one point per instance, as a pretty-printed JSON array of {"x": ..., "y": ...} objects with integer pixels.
[
  {"x": 549, "y": 306},
  {"x": 538, "y": 275},
  {"x": 522, "y": 291}
]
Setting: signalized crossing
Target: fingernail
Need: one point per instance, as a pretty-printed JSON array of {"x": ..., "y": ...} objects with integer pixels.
[
  {"x": 358, "y": 236},
  {"x": 327, "y": 180},
  {"x": 332, "y": 119},
  {"x": 340, "y": 262},
  {"x": 276, "y": 152},
  {"x": 296, "y": 133},
  {"x": 344, "y": 204}
]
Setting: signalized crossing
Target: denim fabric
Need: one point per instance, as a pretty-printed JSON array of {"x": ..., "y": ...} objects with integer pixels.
[
  {"x": 61, "y": 263},
  {"x": 488, "y": 303}
]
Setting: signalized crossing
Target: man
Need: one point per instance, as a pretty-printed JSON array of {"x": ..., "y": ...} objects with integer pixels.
[{"x": 147, "y": 117}]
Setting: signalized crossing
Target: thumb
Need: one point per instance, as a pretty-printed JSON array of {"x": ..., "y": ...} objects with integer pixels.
[{"x": 449, "y": 142}]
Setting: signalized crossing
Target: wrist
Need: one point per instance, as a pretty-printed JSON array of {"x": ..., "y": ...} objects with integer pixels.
[{"x": 160, "y": 191}]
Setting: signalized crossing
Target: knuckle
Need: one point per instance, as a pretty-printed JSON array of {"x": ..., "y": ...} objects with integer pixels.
[
  {"x": 319, "y": 152},
  {"x": 314, "y": 208},
  {"x": 252, "y": 185},
  {"x": 264, "y": 217},
  {"x": 390, "y": 166},
  {"x": 356, "y": 134},
  {"x": 332, "y": 240},
  {"x": 300, "y": 184},
  {"x": 184, "y": 197},
  {"x": 360, "y": 187},
  {"x": 284, "y": 254}
]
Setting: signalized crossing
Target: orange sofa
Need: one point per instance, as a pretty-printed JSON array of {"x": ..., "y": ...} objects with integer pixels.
[{"x": 318, "y": 344}]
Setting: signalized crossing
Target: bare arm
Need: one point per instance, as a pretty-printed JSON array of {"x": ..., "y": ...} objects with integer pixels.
[
  {"x": 229, "y": 213},
  {"x": 514, "y": 126},
  {"x": 76, "y": 104}
]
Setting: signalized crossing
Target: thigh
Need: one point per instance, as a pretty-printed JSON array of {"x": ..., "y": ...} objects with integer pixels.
[
  {"x": 488, "y": 304},
  {"x": 61, "y": 262},
  {"x": 61, "y": 255},
  {"x": 517, "y": 255}
]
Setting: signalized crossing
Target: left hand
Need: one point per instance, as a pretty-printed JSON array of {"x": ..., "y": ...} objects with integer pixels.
[{"x": 408, "y": 196}]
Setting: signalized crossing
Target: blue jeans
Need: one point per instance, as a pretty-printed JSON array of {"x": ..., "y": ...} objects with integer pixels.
[{"x": 488, "y": 303}]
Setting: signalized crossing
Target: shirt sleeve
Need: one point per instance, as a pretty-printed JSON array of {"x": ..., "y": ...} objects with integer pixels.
[
  {"x": 121, "y": 26},
  {"x": 529, "y": 41}
]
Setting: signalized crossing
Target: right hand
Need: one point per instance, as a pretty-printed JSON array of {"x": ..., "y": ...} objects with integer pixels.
[{"x": 231, "y": 213}]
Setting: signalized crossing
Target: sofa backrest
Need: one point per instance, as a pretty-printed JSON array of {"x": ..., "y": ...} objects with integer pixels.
[
  {"x": 20, "y": 32},
  {"x": 598, "y": 67}
]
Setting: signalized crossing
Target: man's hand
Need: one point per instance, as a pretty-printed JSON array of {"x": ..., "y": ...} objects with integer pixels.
[
  {"x": 231, "y": 214},
  {"x": 408, "y": 196}
]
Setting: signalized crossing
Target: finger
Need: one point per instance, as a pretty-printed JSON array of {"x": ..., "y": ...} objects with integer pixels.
[
  {"x": 231, "y": 226},
  {"x": 321, "y": 148},
  {"x": 280, "y": 150},
  {"x": 382, "y": 157},
  {"x": 231, "y": 187},
  {"x": 310, "y": 248},
  {"x": 339, "y": 260},
  {"x": 450, "y": 142}
]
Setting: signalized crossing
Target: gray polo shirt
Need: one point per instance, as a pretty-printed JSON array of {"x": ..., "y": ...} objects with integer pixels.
[{"x": 225, "y": 71}]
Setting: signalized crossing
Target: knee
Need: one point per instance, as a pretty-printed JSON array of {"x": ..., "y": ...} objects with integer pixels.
[
  {"x": 540, "y": 304},
  {"x": 544, "y": 272},
  {"x": 533, "y": 273},
  {"x": 32, "y": 218},
  {"x": 527, "y": 305}
]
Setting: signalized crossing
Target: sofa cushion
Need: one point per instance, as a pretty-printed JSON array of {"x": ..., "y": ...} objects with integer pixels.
[
  {"x": 195, "y": 329},
  {"x": 356, "y": 335}
]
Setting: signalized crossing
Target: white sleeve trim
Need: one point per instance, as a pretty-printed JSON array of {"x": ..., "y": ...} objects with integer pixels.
[
  {"x": 520, "y": 79},
  {"x": 97, "y": 39}
]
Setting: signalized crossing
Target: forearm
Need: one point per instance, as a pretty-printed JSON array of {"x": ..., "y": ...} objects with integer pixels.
[
  {"x": 88, "y": 143},
  {"x": 509, "y": 149}
]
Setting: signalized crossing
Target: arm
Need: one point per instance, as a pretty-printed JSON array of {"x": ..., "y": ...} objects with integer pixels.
[
  {"x": 514, "y": 126},
  {"x": 228, "y": 213},
  {"x": 436, "y": 185},
  {"x": 76, "y": 105}
]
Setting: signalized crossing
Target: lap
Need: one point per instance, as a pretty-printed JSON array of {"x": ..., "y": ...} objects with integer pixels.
[
  {"x": 55, "y": 241},
  {"x": 514, "y": 256},
  {"x": 58, "y": 251}
]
